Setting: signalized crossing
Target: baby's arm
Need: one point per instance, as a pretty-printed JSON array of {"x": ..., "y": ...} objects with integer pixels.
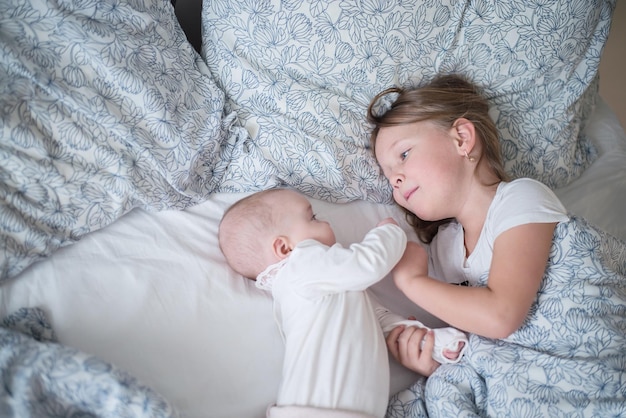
[{"x": 365, "y": 263}]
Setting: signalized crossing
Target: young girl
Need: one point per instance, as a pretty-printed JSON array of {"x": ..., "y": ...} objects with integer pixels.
[{"x": 547, "y": 290}]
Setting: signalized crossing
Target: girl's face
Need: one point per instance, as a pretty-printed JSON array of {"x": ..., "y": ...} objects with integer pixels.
[{"x": 424, "y": 165}]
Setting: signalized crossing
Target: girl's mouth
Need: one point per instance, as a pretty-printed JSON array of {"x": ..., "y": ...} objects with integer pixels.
[{"x": 408, "y": 194}]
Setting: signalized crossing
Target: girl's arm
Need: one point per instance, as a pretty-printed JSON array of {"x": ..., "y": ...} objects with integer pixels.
[{"x": 519, "y": 262}]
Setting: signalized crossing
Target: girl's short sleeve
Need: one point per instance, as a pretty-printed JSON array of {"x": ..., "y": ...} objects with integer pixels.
[{"x": 524, "y": 201}]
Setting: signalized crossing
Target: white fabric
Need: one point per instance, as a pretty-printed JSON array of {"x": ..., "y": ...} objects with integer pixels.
[
  {"x": 308, "y": 412},
  {"x": 516, "y": 203},
  {"x": 335, "y": 353},
  {"x": 265, "y": 279},
  {"x": 447, "y": 339},
  {"x": 153, "y": 294}
]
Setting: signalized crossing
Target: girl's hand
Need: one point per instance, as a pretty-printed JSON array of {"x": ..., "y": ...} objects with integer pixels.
[{"x": 405, "y": 345}]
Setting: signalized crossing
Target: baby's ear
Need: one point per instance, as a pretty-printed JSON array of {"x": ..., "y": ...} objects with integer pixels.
[{"x": 281, "y": 247}]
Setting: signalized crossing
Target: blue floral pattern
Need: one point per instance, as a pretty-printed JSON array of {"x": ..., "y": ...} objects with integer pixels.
[
  {"x": 104, "y": 107},
  {"x": 300, "y": 74},
  {"x": 41, "y": 378},
  {"x": 409, "y": 402},
  {"x": 567, "y": 359}
]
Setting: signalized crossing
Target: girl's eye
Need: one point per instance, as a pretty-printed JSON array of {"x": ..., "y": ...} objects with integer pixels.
[
  {"x": 314, "y": 217},
  {"x": 404, "y": 155}
]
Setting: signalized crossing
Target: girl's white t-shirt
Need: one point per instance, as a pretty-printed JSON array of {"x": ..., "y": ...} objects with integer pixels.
[{"x": 518, "y": 202}]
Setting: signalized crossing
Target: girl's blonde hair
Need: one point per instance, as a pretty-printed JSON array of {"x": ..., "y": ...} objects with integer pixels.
[{"x": 441, "y": 101}]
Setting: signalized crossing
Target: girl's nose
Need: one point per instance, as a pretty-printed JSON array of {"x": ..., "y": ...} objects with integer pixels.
[{"x": 396, "y": 180}]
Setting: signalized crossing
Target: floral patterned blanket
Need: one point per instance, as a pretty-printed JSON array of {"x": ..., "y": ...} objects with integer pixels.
[
  {"x": 567, "y": 359},
  {"x": 41, "y": 378}
]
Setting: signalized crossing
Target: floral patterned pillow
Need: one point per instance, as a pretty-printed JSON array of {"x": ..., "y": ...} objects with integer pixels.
[
  {"x": 300, "y": 75},
  {"x": 104, "y": 107}
]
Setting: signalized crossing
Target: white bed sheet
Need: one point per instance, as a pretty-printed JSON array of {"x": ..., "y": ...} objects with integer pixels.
[{"x": 152, "y": 294}]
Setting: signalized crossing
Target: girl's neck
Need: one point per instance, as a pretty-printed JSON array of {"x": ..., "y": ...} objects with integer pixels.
[{"x": 473, "y": 219}]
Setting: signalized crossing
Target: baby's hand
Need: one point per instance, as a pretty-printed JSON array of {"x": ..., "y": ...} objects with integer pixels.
[
  {"x": 387, "y": 221},
  {"x": 454, "y": 354}
]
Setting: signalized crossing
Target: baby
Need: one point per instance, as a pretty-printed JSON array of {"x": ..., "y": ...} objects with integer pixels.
[{"x": 336, "y": 362}]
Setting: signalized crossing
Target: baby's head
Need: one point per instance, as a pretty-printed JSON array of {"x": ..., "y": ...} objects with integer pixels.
[{"x": 262, "y": 229}]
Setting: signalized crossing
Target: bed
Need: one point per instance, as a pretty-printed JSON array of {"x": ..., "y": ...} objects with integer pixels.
[{"x": 122, "y": 145}]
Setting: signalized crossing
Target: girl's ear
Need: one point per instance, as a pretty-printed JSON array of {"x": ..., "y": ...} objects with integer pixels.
[
  {"x": 281, "y": 247},
  {"x": 465, "y": 136}
]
